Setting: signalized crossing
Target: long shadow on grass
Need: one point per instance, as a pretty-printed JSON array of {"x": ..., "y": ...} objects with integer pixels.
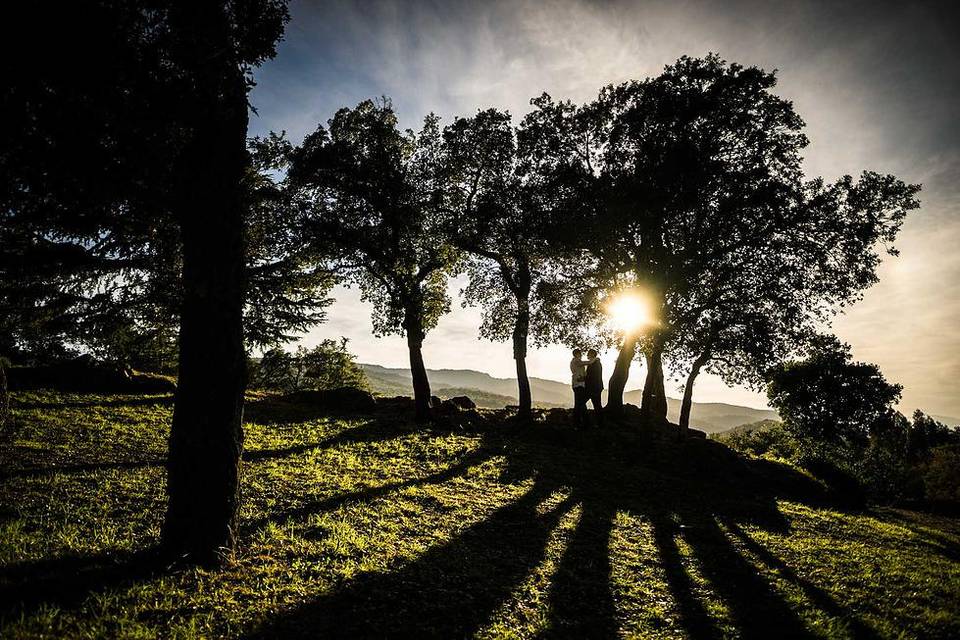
[
  {"x": 683, "y": 490},
  {"x": 448, "y": 592},
  {"x": 815, "y": 594},
  {"x": 67, "y": 581},
  {"x": 352, "y": 435},
  {"x": 335, "y": 501},
  {"x": 149, "y": 401}
]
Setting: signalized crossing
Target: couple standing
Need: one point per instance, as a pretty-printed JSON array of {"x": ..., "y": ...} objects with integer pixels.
[{"x": 587, "y": 380}]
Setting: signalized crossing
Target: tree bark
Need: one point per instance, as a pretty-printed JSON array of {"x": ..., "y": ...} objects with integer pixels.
[
  {"x": 206, "y": 437},
  {"x": 521, "y": 330},
  {"x": 5, "y": 418},
  {"x": 413, "y": 327},
  {"x": 621, "y": 371},
  {"x": 654, "y": 402},
  {"x": 688, "y": 392}
]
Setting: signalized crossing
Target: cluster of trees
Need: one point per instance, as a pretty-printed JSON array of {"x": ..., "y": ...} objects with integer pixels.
[
  {"x": 840, "y": 421},
  {"x": 687, "y": 188},
  {"x": 326, "y": 366},
  {"x": 136, "y": 211}
]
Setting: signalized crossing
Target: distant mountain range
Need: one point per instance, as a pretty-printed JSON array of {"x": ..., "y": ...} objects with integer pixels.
[{"x": 491, "y": 392}]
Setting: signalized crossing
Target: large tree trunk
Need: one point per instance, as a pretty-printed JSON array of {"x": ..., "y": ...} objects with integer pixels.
[
  {"x": 413, "y": 327},
  {"x": 521, "y": 330},
  {"x": 206, "y": 437},
  {"x": 688, "y": 392},
  {"x": 654, "y": 402},
  {"x": 523, "y": 381},
  {"x": 621, "y": 371}
]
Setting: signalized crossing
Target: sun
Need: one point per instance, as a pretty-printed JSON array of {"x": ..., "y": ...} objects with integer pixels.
[{"x": 629, "y": 311}]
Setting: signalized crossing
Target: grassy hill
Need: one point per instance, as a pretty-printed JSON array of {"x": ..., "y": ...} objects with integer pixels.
[
  {"x": 711, "y": 417},
  {"x": 367, "y": 526}
]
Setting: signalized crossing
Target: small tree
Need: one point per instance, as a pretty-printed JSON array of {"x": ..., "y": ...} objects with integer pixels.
[
  {"x": 828, "y": 401},
  {"x": 329, "y": 365},
  {"x": 370, "y": 191},
  {"x": 494, "y": 201}
]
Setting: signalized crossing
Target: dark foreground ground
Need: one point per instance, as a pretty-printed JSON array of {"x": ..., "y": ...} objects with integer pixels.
[{"x": 365, "y": 526}]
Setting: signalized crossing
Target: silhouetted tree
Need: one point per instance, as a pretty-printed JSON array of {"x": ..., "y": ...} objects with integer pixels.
[
  {"x": 761, "y": 301},
  {"x": 371, "y": 191},
  {"x": 682, "y": 180},
  {"x": 127, "y": 310},
  {"x": 127, "y": 120},
  {"x": 495, "y": 204},
  {"x": 288, "y": 279},
  {"x": 828, "y": 400}
]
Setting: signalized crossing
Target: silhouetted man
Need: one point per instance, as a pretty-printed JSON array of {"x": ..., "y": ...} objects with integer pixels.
[
  {"x": 578, "y": 376},
  {"x": 594, "y": 384}
]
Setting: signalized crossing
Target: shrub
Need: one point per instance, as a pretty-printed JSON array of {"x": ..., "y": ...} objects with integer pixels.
[
  {"x": 327, "y": 366},
  {"x": 771, "y": 440},
  {"x": 828, "y": 401},
  {"x": 941, "y": 475}
]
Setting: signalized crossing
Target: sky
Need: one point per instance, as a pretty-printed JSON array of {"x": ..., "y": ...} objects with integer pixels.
[{"x": 877, "y": 84}]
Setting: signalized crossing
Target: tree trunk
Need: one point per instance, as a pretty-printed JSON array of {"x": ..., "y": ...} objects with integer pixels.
[
  {"x": 521, "y": 329},
  {"x": 206, "y": 438},
  {"x": 654, "y": 402},
  {"x": 6, "y": 420},
  {"x": 688, "y": 392},
  {"x": 621, "y": 371},
  {"x": 413, "y": 327}
]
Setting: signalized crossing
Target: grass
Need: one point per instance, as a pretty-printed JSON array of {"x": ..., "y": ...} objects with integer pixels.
[{"x": 366, "y": 526}]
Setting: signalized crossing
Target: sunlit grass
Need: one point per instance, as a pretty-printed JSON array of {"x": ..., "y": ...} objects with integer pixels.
[{"x": 368, "y": 526}]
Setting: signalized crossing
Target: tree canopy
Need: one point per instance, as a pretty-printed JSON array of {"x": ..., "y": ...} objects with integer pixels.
[{"x": 371, "y": 194}]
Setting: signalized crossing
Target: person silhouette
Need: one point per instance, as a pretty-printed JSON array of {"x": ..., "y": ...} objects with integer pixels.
[
  {"x": 593, "y": 384},
  {"x": 578, "y": 382}
]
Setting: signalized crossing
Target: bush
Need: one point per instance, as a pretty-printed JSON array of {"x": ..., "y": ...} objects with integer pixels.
[
  {"x": 773, "y": 440},
  {"x": 902, "y": 461},
  {"x": 327, "y": 366},
  {"x": 941, "y": 475},
  {"x": 829, "y": 401}
]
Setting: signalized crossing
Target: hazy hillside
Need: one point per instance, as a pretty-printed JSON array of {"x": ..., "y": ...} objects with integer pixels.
[
  {"x": 488, "y": 391},
  {"x": 762, "y": 425},
  {"x": 397, "y": 381}
]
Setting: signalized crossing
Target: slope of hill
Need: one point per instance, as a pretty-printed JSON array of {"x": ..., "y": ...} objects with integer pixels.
[
  {"x": 710, "y": 417},
  {"x": 550, "y": 392},
  {"x": 366, "y": 526}
]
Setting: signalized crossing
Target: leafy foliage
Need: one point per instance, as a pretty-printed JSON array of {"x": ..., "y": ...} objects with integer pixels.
[
  {"x": 829, "y": 400},
  {"x": 369, "y": 189},
  {"x": 329, "y": 365}
]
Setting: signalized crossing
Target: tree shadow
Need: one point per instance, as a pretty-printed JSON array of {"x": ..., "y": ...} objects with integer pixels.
[
  {"x": 67, "y": 581},
  {"x": 149, "y": 401},
  {"x": 815, "y": 594},
  {"x": 683, "y": 490},
  {"x": 447, "y": 592},
  {"x": 86, "y": 467},
  {"x": 364, "y": 432}
]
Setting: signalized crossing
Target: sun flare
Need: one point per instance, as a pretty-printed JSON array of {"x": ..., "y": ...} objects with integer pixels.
[{"x": 629, "y": 311}]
